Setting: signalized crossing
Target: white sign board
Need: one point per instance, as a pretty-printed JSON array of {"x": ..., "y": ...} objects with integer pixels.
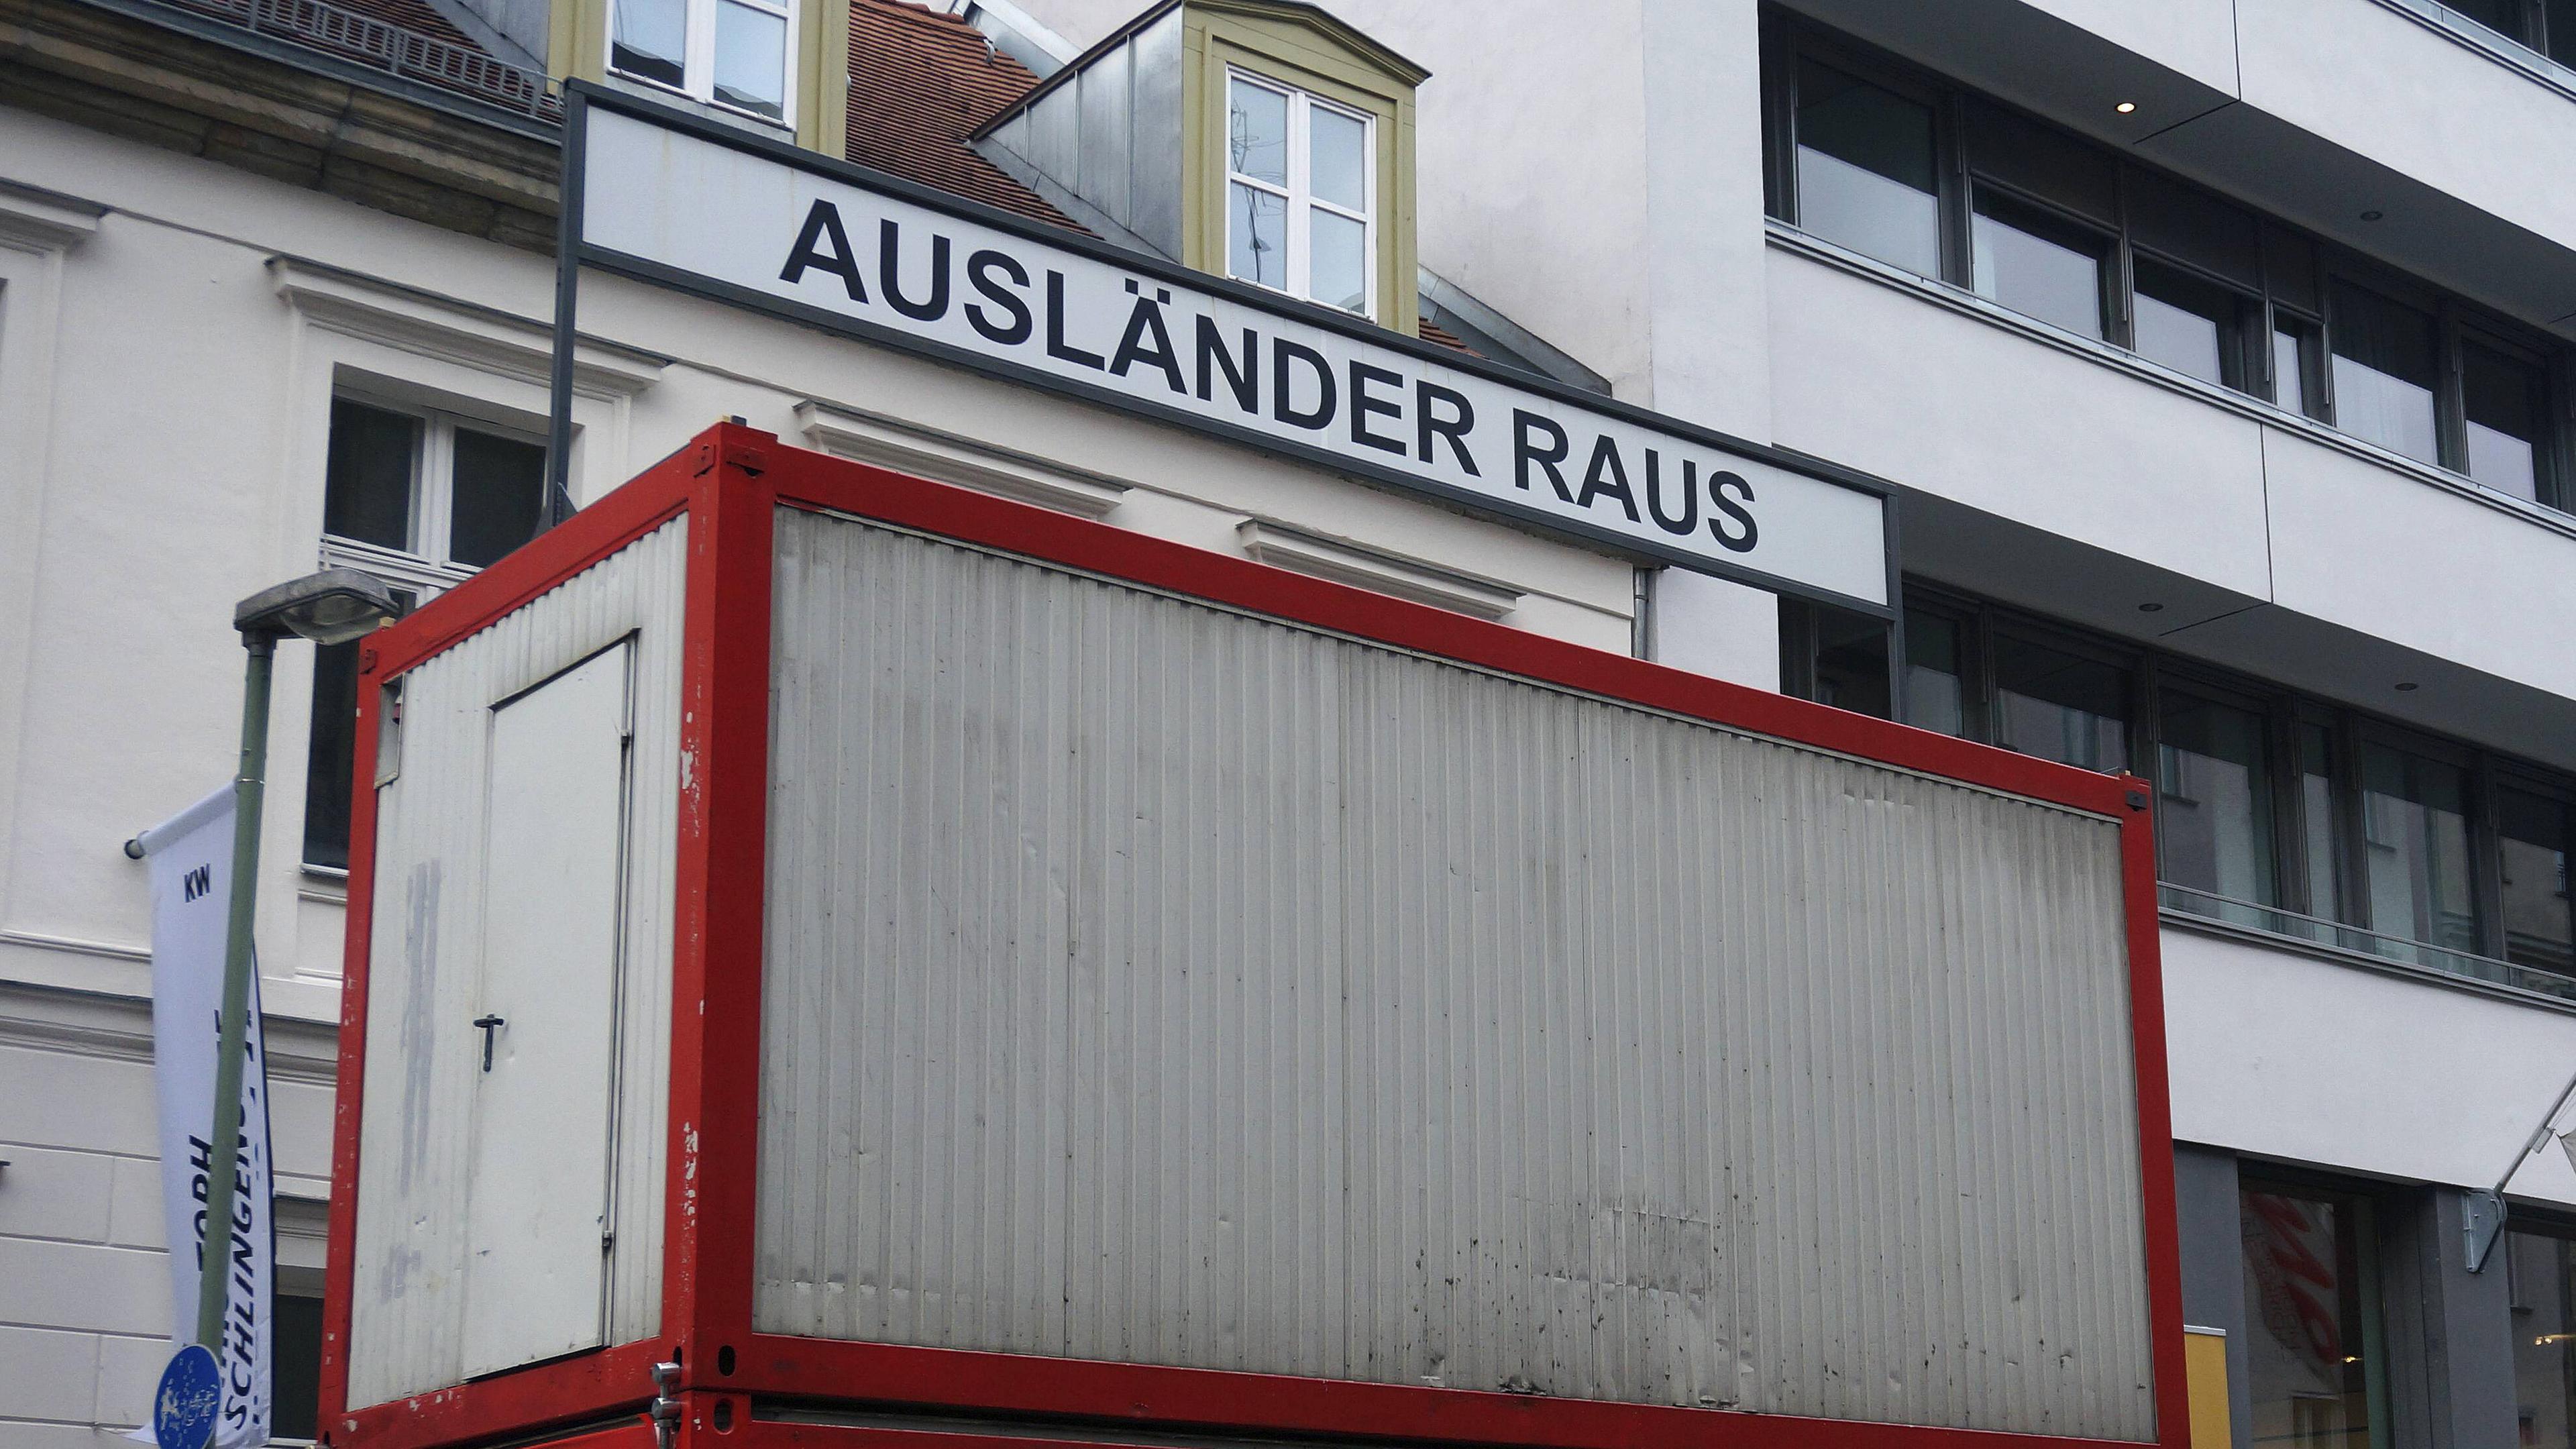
[
  {"x": 191, "y": 856},
  {"x": 672, "y": 199}
]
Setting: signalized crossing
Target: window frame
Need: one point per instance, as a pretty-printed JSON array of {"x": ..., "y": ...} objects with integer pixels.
[
  {"x": 1787, "y": 41},
  {"x": 1298, "y": 195},
  {"x": 698, "y": 57}
]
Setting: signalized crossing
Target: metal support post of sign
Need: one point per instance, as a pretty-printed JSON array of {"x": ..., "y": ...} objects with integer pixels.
[
  {"x": 567, "y": 301},
  {"x": 2482, "y": 1209},
  {"x": 214, "y": 1279}
]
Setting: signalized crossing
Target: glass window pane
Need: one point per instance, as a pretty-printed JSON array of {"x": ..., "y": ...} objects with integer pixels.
[
  {"x": 2060, "y": 706},
  {"x": 366, "y": 492},
  {"x": 2290, "y": 348},
  {"x": 2534, "y": 833},
  {"x": 2415, "y": 832},
  {"x": 1865, "y": 169},
  {"x": 2307, "y": 1375},
  {"x": 2037, "y": 267},
  {"x": 2185, "y": 323},
  {"x": 2562, "y": 30},
  {"x": 2503, "y": 400},
  {"x": 1337, "y": 158},
  {"x": 1256, "y": 247},
  {"x": 2317, "y": 819},
  {"x": 2214, "y": 810},
  {"x": 500, "y": 485},
  {"x": 751, "y": 60},
  {"x": 1257, "y": 132},
  {"x": 1934, "y": 699},
  {"x": 648, "y": 38},
  {"x": 2542, "y": 1270},
  {"x": 2383, "y": 372},
  {"x": 2504, "y": 17},
  {"x": 1337, "y": 275},
  {"x": 1851, "y": 661}
]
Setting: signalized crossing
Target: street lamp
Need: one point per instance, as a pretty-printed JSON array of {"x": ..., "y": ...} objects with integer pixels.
[{"x": 331, "y": 607}]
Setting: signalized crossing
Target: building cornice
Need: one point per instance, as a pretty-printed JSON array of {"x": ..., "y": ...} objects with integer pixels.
[
  {"x": 485, "y": 338},
  {"x": 116, "y": 1027}
]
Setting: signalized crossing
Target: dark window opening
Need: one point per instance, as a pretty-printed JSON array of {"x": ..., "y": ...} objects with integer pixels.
[
  {"x": 1834, "y": 656},
  {"x": 1936, "y": 693},
  {"x": 498, "y": 496},
  {"x": 2535, "y": 835},
  {"x": 2189, "y": 325},
  {"x": 367, "y": 491},
  {"x": 295, "y": 1366},
  {"x": 2504, "y": 403},
  {"x": 2060, "y": 705}
]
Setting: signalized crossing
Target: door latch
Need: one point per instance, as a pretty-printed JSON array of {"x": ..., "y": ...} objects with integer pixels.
[{"x": 489, "y": 1025}]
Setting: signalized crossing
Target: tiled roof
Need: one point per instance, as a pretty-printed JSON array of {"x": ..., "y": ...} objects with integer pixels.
[{"x": 920, "y": 82}]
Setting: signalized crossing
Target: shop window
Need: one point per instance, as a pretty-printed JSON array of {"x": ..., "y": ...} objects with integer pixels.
[
  {"x": 2214, "y": 815},
  {"x": 1866, "y": 169},
  {"x": 730, "y": 53},
  {"x": 2415, "y": 834},
  {"x": 2312, "y": 1340},
  {"x": 420, "y": 499},
  {"x": 2038, "y": 264},
  {"x": 2535, "y": 834},
  {"x": 2060, "y": 705},
  {"x": 2541, "y": 1267},
  {"x": 1299, "y": 209},
  {"x": 2384, "y": 372}
]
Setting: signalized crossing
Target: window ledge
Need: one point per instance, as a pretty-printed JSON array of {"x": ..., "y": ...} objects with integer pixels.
[
  {"x": 485, "y": 338},
  {"x": 2468, "y": 34},
  {"x": 906, "y": 447},
  {"x": 1348, "y": 562},
  {"x": 2182, "y": 920},
  {"x": 1790, "y": 239}
]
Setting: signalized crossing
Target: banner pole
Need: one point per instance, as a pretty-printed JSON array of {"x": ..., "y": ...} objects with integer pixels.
[{"x": 214, "y": 1262}]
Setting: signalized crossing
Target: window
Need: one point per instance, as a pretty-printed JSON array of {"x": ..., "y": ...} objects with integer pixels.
[
  {"x": 731, "y": 53},
  {"x": 295, "y": 1348},
  {"x": 2312, "y": 1351},
  {"x": 1871, "y": 156},
  {"x": 2060, "y": 705},
  {"x": 2214, "y": 792},
  {"x": 1298, "y": 203},
  {"x": 1865, "y": 169},
  {"x": 2274, "y": 812},
  {"x": 2540, "y": 1265},
  {"x": 2415, "y": 827},
  {"x": 421, "y": 499},
  {"x": 2535, "y": 833},
  {"x": 2547, "y": 26},
  {"x": 2384, "y": 367}
]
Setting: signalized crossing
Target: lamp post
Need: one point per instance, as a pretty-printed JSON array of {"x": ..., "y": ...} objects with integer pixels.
[{"x": 331, "y": 607}]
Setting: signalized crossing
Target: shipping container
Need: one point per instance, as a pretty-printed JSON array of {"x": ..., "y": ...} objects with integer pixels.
[{"x": 855, "y": 961}]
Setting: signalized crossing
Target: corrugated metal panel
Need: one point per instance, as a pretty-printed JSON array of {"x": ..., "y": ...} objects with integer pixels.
[
  {"x": 1153, "y": 983},
  {"x": 422, "y": 1050}
]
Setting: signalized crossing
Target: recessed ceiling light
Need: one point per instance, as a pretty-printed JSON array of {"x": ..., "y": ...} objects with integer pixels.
[
  {"x": 2125, "y": 107},
  {"x": 2151, "y": 608},
  {"x": 2372, "y": 215},
  {"x": 2407, "y": 688}
]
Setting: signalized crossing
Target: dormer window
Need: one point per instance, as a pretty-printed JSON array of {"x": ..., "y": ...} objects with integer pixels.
[
  {"x": 729, "y": 53},
  {"x": 1298, "y": 202}
]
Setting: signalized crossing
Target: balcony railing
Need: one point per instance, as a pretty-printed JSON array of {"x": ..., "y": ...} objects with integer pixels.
[
  {"x": 390, "y": 48},
  {"x": 2272, "y": 920}
]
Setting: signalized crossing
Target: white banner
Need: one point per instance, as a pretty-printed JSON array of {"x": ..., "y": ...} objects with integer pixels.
[
  {"x": 191, "y": 860},
  {"x": 726, "y": 217}
]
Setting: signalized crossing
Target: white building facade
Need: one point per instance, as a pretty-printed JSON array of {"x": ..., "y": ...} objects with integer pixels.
[{"x": 2218, "y": 353}]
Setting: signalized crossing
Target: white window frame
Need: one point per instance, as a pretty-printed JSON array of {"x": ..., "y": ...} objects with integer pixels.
[
  {"x": 1298, "y": 197},
  {"x": 698, "y": 58},
  {"x": 425, "y": 566}
]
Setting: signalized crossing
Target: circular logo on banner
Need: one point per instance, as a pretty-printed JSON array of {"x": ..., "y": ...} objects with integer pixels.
[{"x": 183, "y": 1412}]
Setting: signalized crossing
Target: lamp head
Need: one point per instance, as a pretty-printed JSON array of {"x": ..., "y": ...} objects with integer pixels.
[{"x": 331, "y": 607}]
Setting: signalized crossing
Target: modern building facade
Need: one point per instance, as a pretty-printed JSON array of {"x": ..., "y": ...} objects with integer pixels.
[{"x": 2217, "y": 351}]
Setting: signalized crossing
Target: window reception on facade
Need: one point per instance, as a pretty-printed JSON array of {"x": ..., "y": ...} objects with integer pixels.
[{"x": 1298, "y": 204}]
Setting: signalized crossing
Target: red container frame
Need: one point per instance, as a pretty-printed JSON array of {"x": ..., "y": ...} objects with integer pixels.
[{"x": 729, "y": 482}]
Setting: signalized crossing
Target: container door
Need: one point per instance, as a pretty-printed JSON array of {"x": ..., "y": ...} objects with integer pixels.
[{"x": 537, "y": 1198}]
